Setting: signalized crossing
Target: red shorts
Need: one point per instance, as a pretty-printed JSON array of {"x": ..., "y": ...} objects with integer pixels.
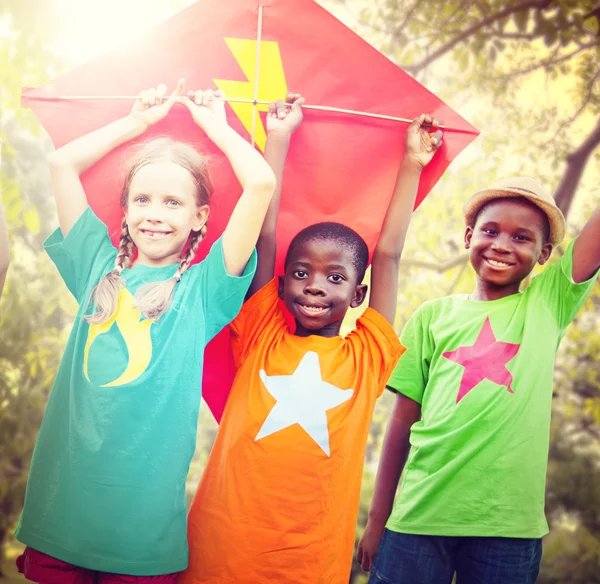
[{"x": 39, "y": 567}]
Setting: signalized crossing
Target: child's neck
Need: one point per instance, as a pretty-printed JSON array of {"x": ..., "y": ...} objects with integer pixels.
[
  {"x": 329, "y": 331},
  {"x": 152, "y": 264},
  {"x": 485, "y": 292}
]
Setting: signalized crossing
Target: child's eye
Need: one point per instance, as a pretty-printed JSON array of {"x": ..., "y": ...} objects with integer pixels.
[
  {"x": 336, "y": 278},
  {"x": 521, "y": 238},
  {"x": 490, "y": 231},
  {"x": 300, "y": 274},
  {"x": 142, "y": 200},
  {"x": 173, "y": 203}
]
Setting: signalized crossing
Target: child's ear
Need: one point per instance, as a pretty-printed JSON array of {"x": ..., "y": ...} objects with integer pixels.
[
  {"x": 359, "y": 295},
  {"x": 545, "y": 253},
  {"x": 468, "y": 236},
  {"x": 202, "y": 214},
  {"x": 280, "y": 281}
]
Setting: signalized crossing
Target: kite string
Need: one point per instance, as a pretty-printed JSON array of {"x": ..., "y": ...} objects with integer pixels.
[{"x": 257, "y": 69}]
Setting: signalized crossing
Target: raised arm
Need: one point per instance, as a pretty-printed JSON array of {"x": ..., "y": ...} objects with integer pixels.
[
  {"x": 420, "y": 146},
  {"x": 254, "y": 174},
  {"x": 396, "y": 446},
  {"x": 68, "y": 162},
  {"x": 282, "y": 122},
  {"x": 586, "y": 251}
]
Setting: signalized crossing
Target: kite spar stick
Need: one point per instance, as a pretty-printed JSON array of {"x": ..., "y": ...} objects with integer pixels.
[
  {"x": 256, "y": 102},
  {"x": 256, "y": 69}
]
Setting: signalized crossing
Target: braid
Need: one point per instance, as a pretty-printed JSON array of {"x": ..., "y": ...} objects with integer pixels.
[
  {"x": 126, "y": 246},
  {"x": 195, "y": 240},
  {"x": 106, "y": 293}
]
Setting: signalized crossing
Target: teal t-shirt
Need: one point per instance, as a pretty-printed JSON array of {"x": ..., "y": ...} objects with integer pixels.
[
  {"x": 482, "y": 372},
  {"x": 106, "y": 487}
]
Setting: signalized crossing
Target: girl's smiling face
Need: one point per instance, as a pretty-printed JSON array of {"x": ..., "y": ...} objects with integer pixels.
[
  {"x": 509, "y": 237},
  {"x": 161, "y": 212}
]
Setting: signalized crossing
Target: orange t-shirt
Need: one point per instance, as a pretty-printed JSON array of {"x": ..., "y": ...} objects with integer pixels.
[{"x": 279, "y": 496}]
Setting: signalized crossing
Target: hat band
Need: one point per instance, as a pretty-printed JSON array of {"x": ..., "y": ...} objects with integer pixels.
[{"x": 522, "y": 190}]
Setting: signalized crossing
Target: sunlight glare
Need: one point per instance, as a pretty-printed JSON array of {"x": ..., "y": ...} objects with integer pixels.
[{"x": 90, "y": 28}]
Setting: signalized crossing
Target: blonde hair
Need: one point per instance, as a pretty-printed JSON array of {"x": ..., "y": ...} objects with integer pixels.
[{"x": 152, "y": 299}]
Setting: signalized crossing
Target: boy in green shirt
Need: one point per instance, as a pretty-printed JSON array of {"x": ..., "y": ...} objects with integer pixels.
[{"x": 474, "y": 393}]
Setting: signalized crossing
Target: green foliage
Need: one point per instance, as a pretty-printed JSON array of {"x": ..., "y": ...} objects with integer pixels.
[
  {"x": 30, "y": 346},
  {"x": 35, "y": 304},
  {"x": 503, "y": 50}
]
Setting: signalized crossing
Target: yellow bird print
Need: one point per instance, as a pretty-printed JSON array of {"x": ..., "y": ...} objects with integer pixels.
[{"x": 136, "y": 335}]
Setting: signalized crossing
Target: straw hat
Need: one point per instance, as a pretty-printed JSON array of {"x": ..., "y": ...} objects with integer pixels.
[{"x": 520, "y": 186}]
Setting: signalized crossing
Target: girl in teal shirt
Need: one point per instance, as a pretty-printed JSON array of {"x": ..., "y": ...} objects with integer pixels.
[{"x": 106, "y": 489}]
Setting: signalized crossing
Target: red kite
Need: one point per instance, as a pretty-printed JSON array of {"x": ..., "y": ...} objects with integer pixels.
[{"x": 341, "y": 167}]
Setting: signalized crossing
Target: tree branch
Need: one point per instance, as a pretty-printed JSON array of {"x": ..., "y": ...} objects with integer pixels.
[
  {"x": 460, "y": 8},
  {"x": 409, "y": 13},
  {"x": 579, "y": 111},
  {"x": 516, "y": 36},
  {"x": 482, "y": 7},
  {"x": 545, "y": 63},
  {"x": 576, "y": 161},
  {"x": 540, "y": 4}
]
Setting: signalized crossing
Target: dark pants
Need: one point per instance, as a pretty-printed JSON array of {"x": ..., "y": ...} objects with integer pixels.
[{"x": 427, "y": 559}]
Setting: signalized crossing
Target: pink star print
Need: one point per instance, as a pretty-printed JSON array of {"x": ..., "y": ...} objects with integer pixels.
[{"x": 485, "y": 359}]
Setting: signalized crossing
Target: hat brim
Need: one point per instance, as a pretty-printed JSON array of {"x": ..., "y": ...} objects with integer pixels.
[{"x": 555, "y": 217}]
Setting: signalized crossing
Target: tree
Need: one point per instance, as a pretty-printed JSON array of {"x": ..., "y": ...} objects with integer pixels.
[
  {"x": 497, "y": 47},
  {"x": 34, "y": 305}
]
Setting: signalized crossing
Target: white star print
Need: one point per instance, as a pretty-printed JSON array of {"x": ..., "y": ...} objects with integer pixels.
[{"x": 302, "y": 398}]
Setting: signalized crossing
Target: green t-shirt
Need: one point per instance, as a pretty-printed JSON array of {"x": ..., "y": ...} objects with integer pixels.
[
  {"x": 106, "y": 487},
  {"x": 482, "y": 372}
]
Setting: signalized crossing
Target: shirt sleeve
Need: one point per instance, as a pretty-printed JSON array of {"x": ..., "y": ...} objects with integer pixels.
[
  {"x": 411, "y": 374},
  {"x": 84, "y": 256},
  {"x": 222, "y": 294},
  {"x": 555, "y": 285},
  {"x": 260, "y": 313},
  {"x": 380, "y": 340}
]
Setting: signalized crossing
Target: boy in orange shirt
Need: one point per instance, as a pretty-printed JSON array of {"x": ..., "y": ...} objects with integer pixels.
[{"x": 279, "y": 497}]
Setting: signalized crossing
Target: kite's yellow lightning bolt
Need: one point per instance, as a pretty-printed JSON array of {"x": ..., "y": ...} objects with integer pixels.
[{"x": 271, "y": 82}]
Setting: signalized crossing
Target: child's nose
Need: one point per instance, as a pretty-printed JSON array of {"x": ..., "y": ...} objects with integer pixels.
[
  {"x": 502, "y": 242},
  {"x": 314, "y": 286},
  {"x": 154, "y": 213}
]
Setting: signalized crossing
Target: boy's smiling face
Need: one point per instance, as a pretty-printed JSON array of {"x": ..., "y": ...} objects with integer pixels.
[
  {"x": 319, "y": 285},
  {"x": 509, "y": 237}
]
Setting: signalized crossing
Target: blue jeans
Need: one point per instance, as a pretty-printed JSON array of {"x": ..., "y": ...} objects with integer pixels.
[{"x": 428, "y": 559}]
